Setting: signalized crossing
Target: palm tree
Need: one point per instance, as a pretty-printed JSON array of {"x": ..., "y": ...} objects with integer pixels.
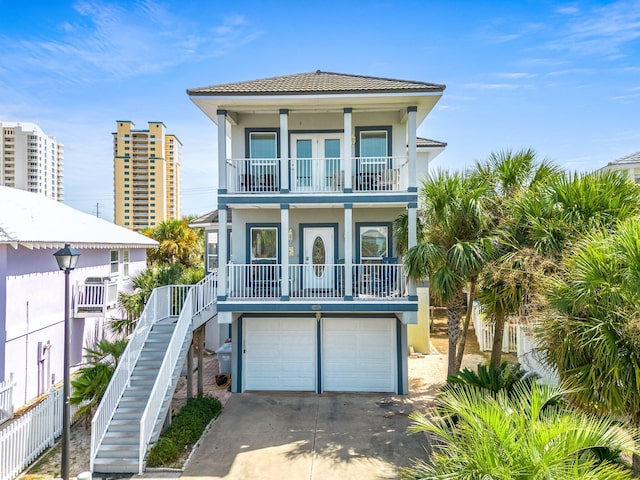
[
  {"x": 178, "y": 243},
  {"x": 595, "y": 340},
  {"x": 92, "y": 380},
  {"x": 510, "y": 176},
  {"x": 452, "y": 249},
  {"x": 526, "y": 434}
]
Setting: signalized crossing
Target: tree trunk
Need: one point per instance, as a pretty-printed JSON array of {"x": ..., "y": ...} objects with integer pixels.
[
  {"x": 498, "y": 333},
  {"x": 636, "y": 465},
  {"x": 465, "y": 327},
  {"x": 454, "y": 312}
]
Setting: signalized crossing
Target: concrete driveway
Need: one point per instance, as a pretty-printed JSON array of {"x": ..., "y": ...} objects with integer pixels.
[{"x": 306, "y": 436}]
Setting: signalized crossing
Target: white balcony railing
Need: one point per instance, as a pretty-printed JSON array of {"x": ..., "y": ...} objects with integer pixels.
[
  {"x": 322, "y": 281},
  {"x": 96, "y": 298},
  {"x": 318, "y": 175}
]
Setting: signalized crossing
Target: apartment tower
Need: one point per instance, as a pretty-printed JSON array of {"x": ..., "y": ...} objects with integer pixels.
[
  {"x": 146, "y": 175},
  {"x": 31, "y": 160}
]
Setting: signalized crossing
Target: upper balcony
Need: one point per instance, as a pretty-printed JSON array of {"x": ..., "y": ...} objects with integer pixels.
[
  {"x": 317, "y": 175},
  {"x": 95, "y": 296}
]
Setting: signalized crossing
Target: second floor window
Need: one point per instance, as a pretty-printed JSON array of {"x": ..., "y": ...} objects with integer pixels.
[{"x": 114, "y": 262}]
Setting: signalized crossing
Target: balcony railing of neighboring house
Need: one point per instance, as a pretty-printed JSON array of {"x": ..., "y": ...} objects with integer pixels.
[
  {"x": 96, "y": 296},
  {"x": 318, "y": 175},
  {"x": 313, "y": 282}
]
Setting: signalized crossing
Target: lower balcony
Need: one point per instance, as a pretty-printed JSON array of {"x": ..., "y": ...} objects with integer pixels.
[{"x": 257, "y": 282}]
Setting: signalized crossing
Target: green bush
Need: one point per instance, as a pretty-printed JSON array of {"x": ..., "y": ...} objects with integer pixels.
[
  {"x": 185, "y": 430},
  {"x": 505, "y": 377}
]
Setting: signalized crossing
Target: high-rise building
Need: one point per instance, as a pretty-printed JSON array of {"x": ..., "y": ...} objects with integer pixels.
[
  {"x": 31, "y": 160},
  {"x": 146, "y": 175}
]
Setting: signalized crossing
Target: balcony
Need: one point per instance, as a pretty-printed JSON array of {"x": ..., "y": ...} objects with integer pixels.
[
  {"x": 257, "y": 282},
  {"x": 317, "y": 175},
  {"x": 95, "y": 296}
]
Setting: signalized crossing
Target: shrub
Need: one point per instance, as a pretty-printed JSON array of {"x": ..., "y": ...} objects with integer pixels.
[
  {"x": 185, "y": 430},
  {"x": 490, "y": 378}
]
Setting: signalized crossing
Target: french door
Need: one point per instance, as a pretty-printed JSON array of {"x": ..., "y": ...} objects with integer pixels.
[{"x": 317, "y": 162}]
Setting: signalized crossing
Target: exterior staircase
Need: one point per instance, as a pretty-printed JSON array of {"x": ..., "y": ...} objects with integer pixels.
[{"x": 136, "y": 402}]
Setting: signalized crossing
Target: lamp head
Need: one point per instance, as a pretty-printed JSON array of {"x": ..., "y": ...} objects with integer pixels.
[{"x": 67, "y": 257}]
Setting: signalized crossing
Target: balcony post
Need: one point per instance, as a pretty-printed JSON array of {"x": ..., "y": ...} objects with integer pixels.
[
  {"x": 284, "y": 150},
  {"x": 284, "y": 251},
  {"x": 412, "y": 153},
  {"x": 412, "y": 241},
  {"x": 222, "y": 151},
  {"x": 222, "y": 252},
  {"x": 348, "y": 187},
  {"x": 348, "y": 251}
]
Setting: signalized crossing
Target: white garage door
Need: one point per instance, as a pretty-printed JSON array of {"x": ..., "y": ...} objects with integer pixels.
[
  {"x": 359, "y": 355},
  {"x": 279, "y": 354}
]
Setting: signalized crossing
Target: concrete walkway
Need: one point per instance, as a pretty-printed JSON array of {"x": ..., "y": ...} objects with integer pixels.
[{"x": 306, "y": 436}]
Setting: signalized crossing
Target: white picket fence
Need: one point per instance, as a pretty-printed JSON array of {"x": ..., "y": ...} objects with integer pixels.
[
  {"x": 531, "y": 360},
  {"x": 485, "y": 331},
  {"x": 25, "y": 438},
  {"x": 6, "y": 399}
]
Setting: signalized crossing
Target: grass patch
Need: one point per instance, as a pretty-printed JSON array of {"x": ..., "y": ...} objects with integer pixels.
[{"x": 185, "y": 430}]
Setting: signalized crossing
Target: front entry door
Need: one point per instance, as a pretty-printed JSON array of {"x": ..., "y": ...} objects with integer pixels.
[
  {"x": 316, "y": 164},
  {"x": 319, "y": 255}
]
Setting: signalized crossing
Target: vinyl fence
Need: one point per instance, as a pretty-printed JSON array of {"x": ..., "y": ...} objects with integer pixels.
[
  {"x": 25, "y": 438},
  {"x": 6, "y": 399},
  {"x": 531, "y": 360},
  {"x": 485, "y": 331}
]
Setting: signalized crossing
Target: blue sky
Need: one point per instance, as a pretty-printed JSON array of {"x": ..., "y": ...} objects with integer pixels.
[{"x": 560, "y": 77}]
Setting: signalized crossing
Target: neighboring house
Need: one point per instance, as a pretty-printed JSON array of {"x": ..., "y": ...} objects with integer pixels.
[
  {"x": 319, "y": 167},
  {"x": 32, "y": 229},
  {"x": 629, "y": 163}
]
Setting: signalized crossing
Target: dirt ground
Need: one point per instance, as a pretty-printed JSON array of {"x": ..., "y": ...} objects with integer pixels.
[{"x": 426, "y": 375}]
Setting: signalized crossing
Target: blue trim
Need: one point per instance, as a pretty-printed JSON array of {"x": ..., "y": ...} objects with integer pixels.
[
  {"x": 325, "y": 130},
  {"x": 412, "y": 189},
  {"x": 240, "y": 353},
  {"x": 399, "y": 357},
  {"x": 222, "y": 298},
  {"x": 381, "y": 198},
  {"x": 348, "y": 189},
  {"x": 319, "y": 356},
  {"x": 412, "y": 205},
  {"x": 247, "y": 136},
  {"x": 348, "y": 206},
  {"x": 295, "y": 307},
  {"x": 348, "y": 110},
  {"x": 284, "y": 206},
  {"x": 222, "y": 191},
  {"x": 348, "y": 298},
  {"x": 413, "y": 298},
  {"x": 221, "y": 112},
  {"x": 412, "y": 108},
  {"x": 359, "y": 225},
  {"x": 284, "y": 298},
  {"x": 284, "y": 190},
  {"x": 249, "y": 226},
  {"x": 384, "y": 128},
  {"x": 284, "y": 111}
]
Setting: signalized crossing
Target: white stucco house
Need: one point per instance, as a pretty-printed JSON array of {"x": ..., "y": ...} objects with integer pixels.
[
  {"x": 32, "y": 229},
  {"x": 319, "y": 166},
  {"x": 629, "y": 164}
]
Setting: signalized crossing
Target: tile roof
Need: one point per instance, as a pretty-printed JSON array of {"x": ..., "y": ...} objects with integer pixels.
[
  {"x": 37, "y": 221},
  {"x": 317, "y": 82},
  {"x": 426, "y": 142},
  {"x": 209, "y": 218},
  {"x": 631, "y": 158}
]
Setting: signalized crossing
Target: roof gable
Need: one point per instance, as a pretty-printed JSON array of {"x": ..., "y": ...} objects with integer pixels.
[{"x": 631, "y": 158}]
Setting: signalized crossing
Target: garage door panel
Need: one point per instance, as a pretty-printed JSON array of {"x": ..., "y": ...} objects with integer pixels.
[
  {"x": 280, "y": 354},
  {"x": 359, "y": 354}
]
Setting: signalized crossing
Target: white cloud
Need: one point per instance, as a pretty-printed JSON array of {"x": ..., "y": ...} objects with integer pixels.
[{"x": 110, "y": 40}]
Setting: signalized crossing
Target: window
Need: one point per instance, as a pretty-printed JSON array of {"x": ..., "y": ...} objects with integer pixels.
[
  {"x": 636, "y": 178},
  {"x": 114, "y": 261},
  {"x": 263, "y": 148},
  {"x": 212, "y": 251},
  {"x": 373, "y": 152},
  {"x": 125, "y": 263},
  {"x": 264, "y": 243},
  {"x": 373, "y": 242}
]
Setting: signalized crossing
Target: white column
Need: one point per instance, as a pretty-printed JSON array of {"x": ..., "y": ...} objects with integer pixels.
[
  {"x": 222, "y": 252},
  {"x": 284, "y": 149},
  {"x": 348, "y": 250},
  {"x": 222, "y": 150},
  {"x": 347, "y": 151},
  {"x": 412, "y": 241},
  {"x": 284, "y": 250},
  {"x": 412, "y": 154}
]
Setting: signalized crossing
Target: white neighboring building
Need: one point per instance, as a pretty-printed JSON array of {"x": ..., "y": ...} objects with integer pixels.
[
  {"x": 31, "y": 160},
  {"x": 629, "y": 163},
  {"x": 32, "y": 286}
]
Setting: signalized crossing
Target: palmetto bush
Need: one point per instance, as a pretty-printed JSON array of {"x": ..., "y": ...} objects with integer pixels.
[{"x": 526, "y": 435}]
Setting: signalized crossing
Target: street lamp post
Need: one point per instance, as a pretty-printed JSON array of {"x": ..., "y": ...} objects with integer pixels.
[{"x": 67, "y": 259}]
